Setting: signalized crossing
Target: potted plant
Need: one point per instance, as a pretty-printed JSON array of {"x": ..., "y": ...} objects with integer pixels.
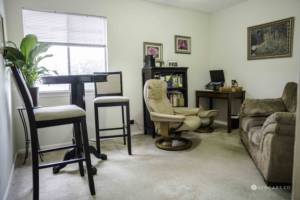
[{"x": 27, "y": 59}]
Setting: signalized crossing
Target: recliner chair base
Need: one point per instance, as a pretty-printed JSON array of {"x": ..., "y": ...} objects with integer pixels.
[
  {"x": 207, "y": 129},
  {"x": 173, "y": 143}
]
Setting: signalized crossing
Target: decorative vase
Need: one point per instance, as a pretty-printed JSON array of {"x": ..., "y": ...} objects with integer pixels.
[
  {"x": 34, "y": 91},
  {"x": 149, "y": 61}
]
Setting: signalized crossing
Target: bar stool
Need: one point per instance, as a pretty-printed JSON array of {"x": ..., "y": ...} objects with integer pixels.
[
  {"x": 110, "y": 94},
  {"x": 43, "y": 117}
]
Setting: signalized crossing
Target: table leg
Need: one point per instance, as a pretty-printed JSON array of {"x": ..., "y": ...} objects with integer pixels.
[
  {"x": 243, "y": 97},
  {"x": 229, "y": 115},
  {"x": 77, "y": 98},
  {"x": 211, "y": 103},
  {"x": 197, "y": 100}
]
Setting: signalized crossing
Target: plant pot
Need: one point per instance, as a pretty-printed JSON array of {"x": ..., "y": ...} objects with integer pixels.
[{"x": 34, "y": 91}]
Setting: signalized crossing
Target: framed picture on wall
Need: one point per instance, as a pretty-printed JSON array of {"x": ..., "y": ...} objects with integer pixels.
[
  {"x": 154, "y": 49},
  {"x": 182, "y": 44},
  {"x": 271, "y": 40}
]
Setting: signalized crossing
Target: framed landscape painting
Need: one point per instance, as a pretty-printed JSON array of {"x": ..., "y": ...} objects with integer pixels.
[
  {"x": 271, "y": 40},
  {"x": 154, "y": 49}
]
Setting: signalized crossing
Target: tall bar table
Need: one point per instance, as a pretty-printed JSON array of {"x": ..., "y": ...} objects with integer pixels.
[{"x": 77, "y": 98}]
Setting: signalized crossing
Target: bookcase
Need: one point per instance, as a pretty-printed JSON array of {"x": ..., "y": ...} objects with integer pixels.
[{"x": 176, "y": 78}]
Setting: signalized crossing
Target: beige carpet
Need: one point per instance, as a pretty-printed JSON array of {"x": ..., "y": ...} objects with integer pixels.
[{"x": 216, "y": 168}]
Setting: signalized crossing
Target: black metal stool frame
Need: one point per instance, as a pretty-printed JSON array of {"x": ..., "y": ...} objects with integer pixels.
[
  {"x": 80, "y": 136},
  {"x": 113, "y": 104},
  {"x": 27, "y": 140}
]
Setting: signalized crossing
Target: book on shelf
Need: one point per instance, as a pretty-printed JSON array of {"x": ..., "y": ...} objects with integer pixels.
[
  {"x": 173, "y": 81},
  {"x": 176, "y": 98}
]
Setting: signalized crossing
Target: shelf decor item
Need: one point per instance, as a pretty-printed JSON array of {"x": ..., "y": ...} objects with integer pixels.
[
  {"x": 172, "y": 63},
  {"x": 271, "y": 40},
  {"x": 182, "y": 44},
  {"x": 27, "y": 59},
  {"x": 154, "y": 49},
  {"x": 149, "y": 61}
]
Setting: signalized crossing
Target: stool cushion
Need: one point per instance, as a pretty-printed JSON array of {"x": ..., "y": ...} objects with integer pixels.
[
  {"x": 58, "y": 112},
  {"x": 111, "y": 99}
]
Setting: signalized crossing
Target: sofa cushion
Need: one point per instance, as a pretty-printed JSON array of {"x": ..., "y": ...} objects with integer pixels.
[
  {"x": 249, "y": 122},
  {"x": 255, "y": 135}
]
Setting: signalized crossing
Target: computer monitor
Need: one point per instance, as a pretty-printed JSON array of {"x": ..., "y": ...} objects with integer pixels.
[{"x": 217, "y": 76}]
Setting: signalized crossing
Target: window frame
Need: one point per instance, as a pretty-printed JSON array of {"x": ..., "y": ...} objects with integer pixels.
[{"x": 68, "y": 45}]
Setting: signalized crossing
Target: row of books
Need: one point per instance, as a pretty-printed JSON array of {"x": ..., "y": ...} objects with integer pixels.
[
  {"x": 173, "y": 81},
  {"x": 176, "y": 98}
]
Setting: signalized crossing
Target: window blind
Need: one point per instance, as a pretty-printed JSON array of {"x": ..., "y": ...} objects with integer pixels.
[{"x": 64, "y": 28}]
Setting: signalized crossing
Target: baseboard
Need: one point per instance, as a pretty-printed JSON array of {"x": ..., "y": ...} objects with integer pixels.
[
  {"x": 50, "y": 146},
  {"x": 137, "y": 132},
  {"x": 11, "y": 175}
]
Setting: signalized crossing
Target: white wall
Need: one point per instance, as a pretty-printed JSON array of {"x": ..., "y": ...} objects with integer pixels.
[
  {"x": 130, "y": 22},
  {"x": 228, "y": 49},
  {"x": 228, "y": 46},
  {"x": 7, "y": 147}
]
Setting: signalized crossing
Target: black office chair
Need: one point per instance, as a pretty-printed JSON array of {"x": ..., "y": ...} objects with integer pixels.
[
  {"x": 109, "y": 94},
  {"x": 43, "y": 117}
]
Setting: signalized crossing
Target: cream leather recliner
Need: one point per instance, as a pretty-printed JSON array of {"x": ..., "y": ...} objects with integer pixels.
[{"x": 170, "y": 121}]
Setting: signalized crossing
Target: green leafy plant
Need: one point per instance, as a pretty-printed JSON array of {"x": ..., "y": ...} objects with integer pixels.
[{"x": 27, "y": 58}]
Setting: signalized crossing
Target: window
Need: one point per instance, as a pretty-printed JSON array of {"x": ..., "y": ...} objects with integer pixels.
[{"x": 78, "y": 42}]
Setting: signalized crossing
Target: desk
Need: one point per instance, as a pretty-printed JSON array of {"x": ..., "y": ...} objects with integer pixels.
[
  {"x": 77, "y": 98},
  {"x": 229, "y": 96}
]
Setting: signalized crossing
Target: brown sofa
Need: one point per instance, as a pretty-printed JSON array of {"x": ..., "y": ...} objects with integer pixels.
[{"x": 267, "y": 129}]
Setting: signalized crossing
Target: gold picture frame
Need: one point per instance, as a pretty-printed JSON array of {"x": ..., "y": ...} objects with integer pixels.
[{"x": 271, "y": 40}]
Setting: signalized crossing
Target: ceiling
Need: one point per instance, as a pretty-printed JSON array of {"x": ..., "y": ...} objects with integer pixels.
[{"x": 200, "y": 5}]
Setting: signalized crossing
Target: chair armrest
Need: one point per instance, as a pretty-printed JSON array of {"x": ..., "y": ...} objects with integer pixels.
[
  {"x": 186, "y": 111},
  {"x": 261, "y": 107},
  {"x": 280, "y": 123},
  {"x": 159, "y": 117}
]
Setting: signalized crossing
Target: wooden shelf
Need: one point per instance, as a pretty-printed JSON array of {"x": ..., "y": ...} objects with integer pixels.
[
  {"x": 161, "y": 73},
  {"x": 180, "y": 89}
]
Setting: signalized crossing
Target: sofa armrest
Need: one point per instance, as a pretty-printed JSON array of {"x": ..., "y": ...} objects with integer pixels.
[
  {"x": 287, "y": 118},
  {"x": 186, "y": 111},
  {"x": 280, "y": 123},
  {"x": 160, "y": 117},
  {"x": 261, "y": 107}
]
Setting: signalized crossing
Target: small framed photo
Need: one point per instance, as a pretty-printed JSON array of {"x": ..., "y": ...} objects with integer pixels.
[
  {"x": 182, "y": 44},
  {"x": 154, "y": 49},
  {"x": 172, "y": 63}
]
